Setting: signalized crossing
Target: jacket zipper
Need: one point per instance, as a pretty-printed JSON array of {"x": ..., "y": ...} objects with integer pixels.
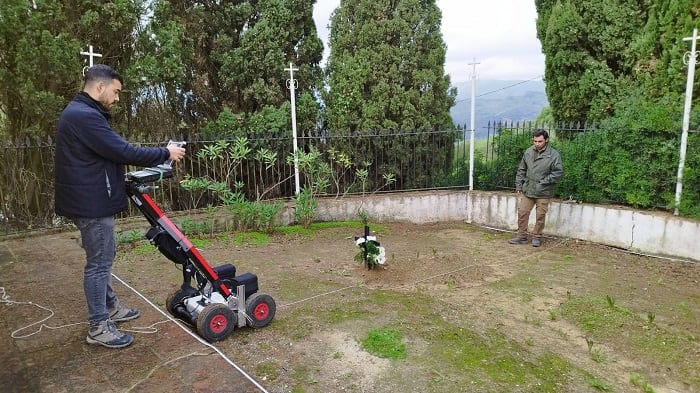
[{"x": 109, "y": 186}]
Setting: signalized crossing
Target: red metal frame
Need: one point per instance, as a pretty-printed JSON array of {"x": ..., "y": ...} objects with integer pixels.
[{"x": 139, "y": 195}]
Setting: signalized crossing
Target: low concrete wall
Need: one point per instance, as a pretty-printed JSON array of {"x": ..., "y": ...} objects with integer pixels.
[{"x": 639, "y": 231}]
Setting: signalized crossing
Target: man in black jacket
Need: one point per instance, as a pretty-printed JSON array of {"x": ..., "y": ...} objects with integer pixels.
[{"x": 90, "y": 189}]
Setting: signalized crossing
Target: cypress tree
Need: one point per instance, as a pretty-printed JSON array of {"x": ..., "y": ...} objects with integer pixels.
[
  {"x": 207, "y": 56},
  {"x": 40, "y": 61},
  {"x": 588, "y": 56},
  {"x": 386, "y": 67},
  {"x": 386, "y": 72}
]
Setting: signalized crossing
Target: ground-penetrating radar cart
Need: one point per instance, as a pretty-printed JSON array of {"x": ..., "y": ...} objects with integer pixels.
[{"x": 220, "y": 300}]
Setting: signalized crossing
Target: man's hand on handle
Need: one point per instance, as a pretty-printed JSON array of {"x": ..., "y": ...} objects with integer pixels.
[{"x": 176, "y": 152}]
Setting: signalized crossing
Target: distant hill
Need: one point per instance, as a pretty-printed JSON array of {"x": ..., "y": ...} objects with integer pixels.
[{"x": 498, "y": 100}]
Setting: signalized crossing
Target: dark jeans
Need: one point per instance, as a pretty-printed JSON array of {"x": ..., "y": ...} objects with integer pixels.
[{"x": 98, "y": 240}]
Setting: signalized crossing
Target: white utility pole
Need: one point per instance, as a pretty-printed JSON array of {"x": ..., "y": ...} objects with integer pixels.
[
  {"x": 471, "y": 138},
  {"x": 292, "y": 85},
  {"x": 91, "y": 54},
  {"x": 689, "y": 58}
]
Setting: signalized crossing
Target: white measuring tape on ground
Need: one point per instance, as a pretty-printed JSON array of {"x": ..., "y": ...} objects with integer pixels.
[
  {"x": 39, "y": 325},
  {"x": 196, "y": 337},
  {"x": 5, "y": 299}
]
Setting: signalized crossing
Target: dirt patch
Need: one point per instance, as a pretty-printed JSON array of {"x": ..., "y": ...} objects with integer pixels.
[
  {"x": 479, "y": 282},
  {"x": 473, "y": 311},
  {"x": 349, "y": 360}
]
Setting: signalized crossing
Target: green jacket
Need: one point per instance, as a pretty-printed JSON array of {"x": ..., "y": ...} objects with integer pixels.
[{"x": 538, "y": 172}]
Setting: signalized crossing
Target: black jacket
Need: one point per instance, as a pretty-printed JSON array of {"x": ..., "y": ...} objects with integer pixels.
[{"x": 89, "y": 161}]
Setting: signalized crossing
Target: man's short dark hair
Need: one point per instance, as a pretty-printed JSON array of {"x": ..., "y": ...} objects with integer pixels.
[
  {"x": 102, "y": 72},
  {"x": 541, "y": 132}
]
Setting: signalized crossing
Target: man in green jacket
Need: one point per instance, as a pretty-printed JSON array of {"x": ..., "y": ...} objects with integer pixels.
[{"x": 540, "y": 168}]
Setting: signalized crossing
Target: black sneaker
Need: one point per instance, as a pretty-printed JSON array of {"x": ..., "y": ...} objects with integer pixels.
[
  {"x": 536, "y": 242},
  {"x": 518, "y": 240},
  {"x": 107, "y": 335}
]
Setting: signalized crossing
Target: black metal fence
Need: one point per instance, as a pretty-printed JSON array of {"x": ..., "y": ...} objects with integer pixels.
[
  {"x": 260, "y": 166},
  {"x": 418, "y": 160}
]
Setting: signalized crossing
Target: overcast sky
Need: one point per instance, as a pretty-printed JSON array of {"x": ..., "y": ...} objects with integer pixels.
[{"x": 499, "y": 34}]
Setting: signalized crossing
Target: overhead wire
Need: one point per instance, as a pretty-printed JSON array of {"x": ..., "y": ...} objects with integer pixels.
[{"x": 501, "y": 89}]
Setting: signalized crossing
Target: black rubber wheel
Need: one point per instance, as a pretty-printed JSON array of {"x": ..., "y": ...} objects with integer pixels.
[
  {"x": 260, "y": 309},
  {"x": 173, "y": 300},
  {"x": 215, "y": 322}
]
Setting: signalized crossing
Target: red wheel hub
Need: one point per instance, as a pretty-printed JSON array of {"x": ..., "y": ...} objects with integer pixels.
[
  {"x": 261, "y": 311},
  {"x": 218, "y": 323}
]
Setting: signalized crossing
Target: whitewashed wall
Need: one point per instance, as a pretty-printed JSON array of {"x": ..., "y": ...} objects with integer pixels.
[{"x": 645, "y": 232}]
